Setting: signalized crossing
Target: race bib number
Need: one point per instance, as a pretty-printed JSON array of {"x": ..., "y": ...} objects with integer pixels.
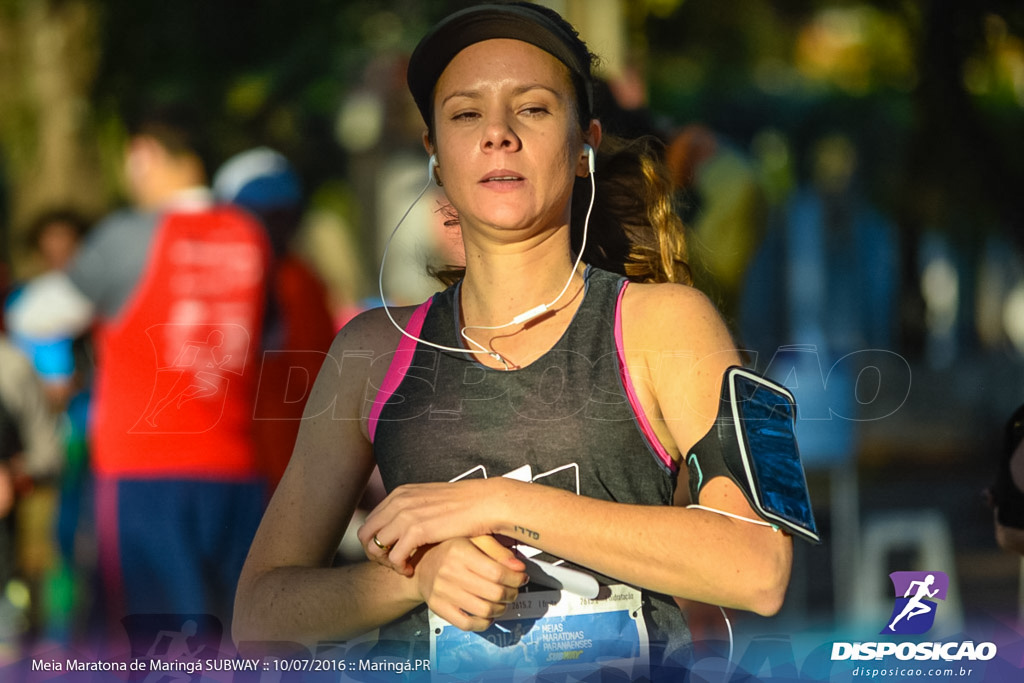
[{"x": 548, "y": 632}]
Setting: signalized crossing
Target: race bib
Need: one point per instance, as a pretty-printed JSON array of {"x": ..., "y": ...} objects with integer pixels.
[{"x": 549, "y": 632}]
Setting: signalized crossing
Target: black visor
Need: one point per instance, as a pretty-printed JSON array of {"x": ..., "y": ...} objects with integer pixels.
[{"x": 524, "y": 22}]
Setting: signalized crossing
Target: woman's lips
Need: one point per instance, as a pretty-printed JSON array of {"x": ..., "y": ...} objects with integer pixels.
[{"x": 501, "y": 176}]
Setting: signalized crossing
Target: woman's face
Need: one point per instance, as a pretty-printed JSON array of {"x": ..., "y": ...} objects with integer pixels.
[{"x": 508, "y": 142}]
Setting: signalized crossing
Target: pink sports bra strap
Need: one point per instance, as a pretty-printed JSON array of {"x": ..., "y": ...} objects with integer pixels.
[
  {"x": 399, "y": 364},
  {"x": 634, "y": 401}
]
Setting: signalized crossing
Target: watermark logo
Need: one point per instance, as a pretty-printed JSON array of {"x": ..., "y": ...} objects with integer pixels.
[
  {"x": 915, "y": 605},
  {"x": 913, "y": 613},
  {"x": 195, "y": 365}
]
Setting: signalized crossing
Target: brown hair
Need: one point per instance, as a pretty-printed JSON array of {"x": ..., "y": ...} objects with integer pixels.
[
  {"x": 177, "y": 126},
  {"x": 634, "y": 229}
]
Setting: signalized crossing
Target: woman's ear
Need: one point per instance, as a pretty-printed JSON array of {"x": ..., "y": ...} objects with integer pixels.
[
  {"x": 593, "y": 134},
  {"x": 591, "y": 141},
  {"x": 432, "y": 166},
  {"x": 432, "y": 163}
]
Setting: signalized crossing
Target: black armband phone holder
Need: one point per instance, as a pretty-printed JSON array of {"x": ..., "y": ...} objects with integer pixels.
[{"x": 753, "y": 443}]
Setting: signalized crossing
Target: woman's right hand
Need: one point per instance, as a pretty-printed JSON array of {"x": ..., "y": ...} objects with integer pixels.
[{"x": 468, "y": 582}]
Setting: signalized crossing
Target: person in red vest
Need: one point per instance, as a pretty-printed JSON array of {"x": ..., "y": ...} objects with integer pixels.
[{"x": 177, "y": 287}]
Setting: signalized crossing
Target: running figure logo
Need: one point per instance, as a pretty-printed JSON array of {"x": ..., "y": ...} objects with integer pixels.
[
  {"x": 914, "y": 609},
  {"x": 195, "y": 365}
]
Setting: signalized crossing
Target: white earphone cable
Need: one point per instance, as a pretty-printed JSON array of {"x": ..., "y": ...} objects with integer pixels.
[
  {"x": 542, "y": 308},
  {"x": 760, "y": 522},
  {"x": 728, "y": 624},
  {"x": 380, "y": 280},
  {"x": 522, "y": 317}
]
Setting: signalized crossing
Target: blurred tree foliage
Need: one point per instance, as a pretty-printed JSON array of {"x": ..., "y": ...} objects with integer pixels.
[
  {"x": 49, "y": 54},
  {"x": 931, "y": 92},
  {"x": 261, "y": 71}
]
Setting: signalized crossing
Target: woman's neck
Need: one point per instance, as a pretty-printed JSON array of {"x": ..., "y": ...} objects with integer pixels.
[{"x": 501, "y": 284}]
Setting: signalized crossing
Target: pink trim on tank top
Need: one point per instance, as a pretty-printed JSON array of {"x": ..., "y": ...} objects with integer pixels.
[
  {"x": 399, "y": 365},
  {"x": 634, "y": 402}
]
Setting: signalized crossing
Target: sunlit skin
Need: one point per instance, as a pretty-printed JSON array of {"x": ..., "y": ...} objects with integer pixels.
[
  {"x": 509, "y": 143},
  {"x": 154, "y": 175},
  {"x": 509, "y": 150},
  {"x": 509, "y": 147}
]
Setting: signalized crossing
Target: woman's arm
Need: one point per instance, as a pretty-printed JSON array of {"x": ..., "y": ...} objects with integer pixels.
[
  {"x": 288, "y": 590},
  {"x": 693, "y": 554}
]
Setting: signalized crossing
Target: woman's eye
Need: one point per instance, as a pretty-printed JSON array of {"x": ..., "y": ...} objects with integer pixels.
[
  {"x": 534, "y": 110},
  {"x": 464, "y": 116}
]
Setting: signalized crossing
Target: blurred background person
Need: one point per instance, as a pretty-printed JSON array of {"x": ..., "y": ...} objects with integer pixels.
[
  {"x": 177, "y": 285},
  {"x": 30, "y": 454},
  {"x": 62, "y": 359},
  {"x": 299, "y": 326},
  {"x": 1006, "y": 496},
  {"x": 822, "y": 286},
  {"x": 724, "y": 209},
  {"x": 54, "y": 237}
]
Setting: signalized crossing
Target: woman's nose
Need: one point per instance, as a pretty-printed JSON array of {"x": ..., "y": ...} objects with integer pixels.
[{"x": 499, "y": 136}]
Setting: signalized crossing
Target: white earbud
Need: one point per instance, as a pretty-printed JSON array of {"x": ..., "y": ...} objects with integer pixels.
[
  {"x": 590, "y": 156},
  {"x": 431, "y": 165}
]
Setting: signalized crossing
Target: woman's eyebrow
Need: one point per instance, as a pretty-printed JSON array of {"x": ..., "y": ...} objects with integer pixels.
[
  {"x": 523, "y": 89},
  {"x": 473, "y": 93}
]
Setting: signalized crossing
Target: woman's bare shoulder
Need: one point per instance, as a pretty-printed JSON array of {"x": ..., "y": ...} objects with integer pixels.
[
  {"x": 674, "y": 336},
  {"x": 360, "y": 357},
  {"x": 674, "y": 317},
  {"x": 373, "y": 331},
  {"x": 354, "y": 368}
]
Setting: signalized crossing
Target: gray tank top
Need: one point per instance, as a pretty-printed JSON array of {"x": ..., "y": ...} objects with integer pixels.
[{"x": 568, "y": 416}]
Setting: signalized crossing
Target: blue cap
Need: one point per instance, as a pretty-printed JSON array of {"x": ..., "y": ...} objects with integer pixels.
[{"x": 258, "y": 179}]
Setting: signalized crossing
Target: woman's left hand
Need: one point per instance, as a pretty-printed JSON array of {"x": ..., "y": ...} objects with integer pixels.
[{"x": 416, "y": 515}]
